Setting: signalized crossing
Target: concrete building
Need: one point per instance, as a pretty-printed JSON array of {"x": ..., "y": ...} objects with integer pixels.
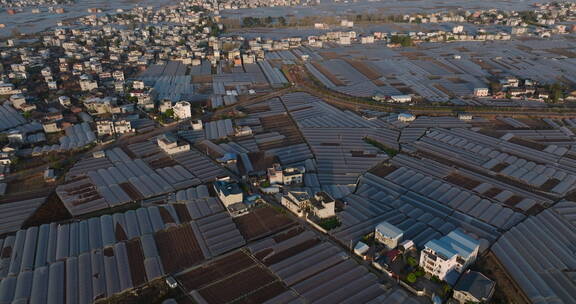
[
  {"x": 367, "y": 39},
  {"x": 170, "y": 144},
  {"x": 111, "y": 127},
  {"x": 347, "y": 23},
  {"x": 18, "y": 100},
  {"x": 87, "y": 84},
  {"x": 65, "y": 101},
  {"x": 197, "y": 125},
  {"x": 97, "y": 105},
  {"x": 458, "y": 29},
  {"x": 481, "y": 92},
  {"x": 243, "y": 131},
  {"x": 8, "y": 89},
  {"x": 296, "y": 202},
  {"x": 401, "y": 98},
  {"x": 291, "y": 176},
  {"x": 406, "y": 117},
  {"x": 275, "y": 174},
  {"x": 182, "y": 110},
  {"x": 322, "y": 205},
  {"x": 123, "y": 126},
  {"x": 104, "y": 127},
  {"x": 449, "y": 256},
  {"x": 361, "y": 249},
  {"x": 344, "y": 40},
  {"x": 51, "y": 127},
  {"x": 229, "y": 193},
  {"x": 388, "y": 235},
  {"x": 474, "y": 287}
]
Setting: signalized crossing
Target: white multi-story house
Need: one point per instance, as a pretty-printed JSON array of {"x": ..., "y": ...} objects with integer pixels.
[
  {"x": 65, "y": 101},
  {"x": 458, "y": 29},
  {"x": 292, "y": 176},
  {"x": 406, "y": 117},
  {"x": 52, "y": 85},
  {"x": 138, "y": 85},
  {"x": 18, "y": 100},
  {"x": 182, "y": 110},
  {"x": 110, "y": 127},
  {"x": 287, "y": 176},
  {"x": 367, "y": 39},
  {"x": 87, "y": 84},
  {"x": 388, "y": 235},
  {"x": 481, "y": 92},
  {"x": 118, "y": 75},
  {"x": 345, "y": 40},
  {"x": 99, "y": 105},
  {"x": 275, "y": 174},
  {"x": 104, "y": 127},
  {"x": 229, "y": 193},
  {"x": 449, "y": 256},
  {"x": 123, "y": 126},
  {"x": 196, "y": 125},
  {"x": 401, "y": 98},
  {"x": 46, "y": 72},
  {"x": 296, "y": 201},
  {"x": 321, "y": 205},
  {"x": 8, "y": 89}
]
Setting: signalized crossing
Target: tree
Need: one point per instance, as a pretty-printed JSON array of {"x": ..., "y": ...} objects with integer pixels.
[
  {"x": 404, "y": 41},
  {"x": 411, "y": 278},
  {"x": 282, "y": 21},
  {"x": 169, "y": 113},
  {"x": 132, "y": 99},
  {"x": 251, "y": 22},
  {"x": 556, "y": 92},
  {"x": 495, "y": 86}
]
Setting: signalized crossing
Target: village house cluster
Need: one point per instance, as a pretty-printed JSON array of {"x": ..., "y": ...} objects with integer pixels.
[{"x": 149, "y": 145}]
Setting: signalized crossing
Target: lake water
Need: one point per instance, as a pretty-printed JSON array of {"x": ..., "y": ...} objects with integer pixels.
[
  {"x": 27, "y": 22},
  {"x": 386, "y": 7}
]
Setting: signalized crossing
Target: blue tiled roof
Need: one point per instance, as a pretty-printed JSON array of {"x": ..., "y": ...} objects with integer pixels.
[{"x": 456, "y": 242}]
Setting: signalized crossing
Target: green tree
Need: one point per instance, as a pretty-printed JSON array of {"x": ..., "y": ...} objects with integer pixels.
[
  {"x": 495, "y": 86},
  {"x": 169, "y": 113},
  {"x": 556, "y": 92},
  {"x": 404, "y": 41}
]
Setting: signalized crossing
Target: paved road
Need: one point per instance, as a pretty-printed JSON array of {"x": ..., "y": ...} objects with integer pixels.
[
  {"x": 300, "y": 77},
  {"x": 254, "y": 100}
]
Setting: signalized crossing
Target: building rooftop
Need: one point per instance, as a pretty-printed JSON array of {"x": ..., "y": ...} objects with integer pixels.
[
  {"x": 476, "y": 284},
  {"x": 389, "y": 230},
  {"x": 455, "y": 243},
  {"x": 321, "y": 198},
  {"x": 227, "y": 188}
]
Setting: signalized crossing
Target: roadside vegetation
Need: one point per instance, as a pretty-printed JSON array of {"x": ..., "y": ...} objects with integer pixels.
[{"x": 391, "y": 152}]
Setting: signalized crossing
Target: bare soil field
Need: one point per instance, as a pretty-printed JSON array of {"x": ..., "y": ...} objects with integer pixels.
[{"x": 262, "y": 222}]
